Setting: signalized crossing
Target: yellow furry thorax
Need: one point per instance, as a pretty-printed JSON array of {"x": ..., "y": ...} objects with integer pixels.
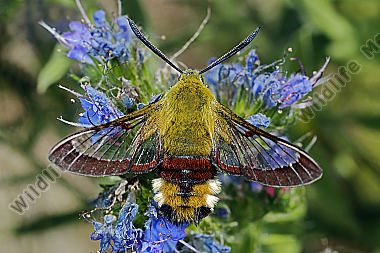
[{"x": 186, "y": 118}]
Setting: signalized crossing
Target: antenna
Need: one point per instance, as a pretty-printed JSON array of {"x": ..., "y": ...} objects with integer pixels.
[
  {"x": 233, "y": 51},
  {"x": 147, "y": 43}
]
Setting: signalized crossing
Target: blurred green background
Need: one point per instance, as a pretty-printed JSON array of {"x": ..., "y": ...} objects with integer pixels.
[{"x": 343, "y": 208}]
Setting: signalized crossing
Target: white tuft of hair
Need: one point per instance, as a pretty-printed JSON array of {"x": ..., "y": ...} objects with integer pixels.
[
  {"x": 157, "y": 184},
  {"x": 211, "y": 200},
  {"x": 159, "y": 198},
  {"x": 215, "y": 186}
]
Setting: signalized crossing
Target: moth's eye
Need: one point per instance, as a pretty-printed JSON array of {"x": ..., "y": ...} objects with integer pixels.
[{"x": 203, "y": 80}]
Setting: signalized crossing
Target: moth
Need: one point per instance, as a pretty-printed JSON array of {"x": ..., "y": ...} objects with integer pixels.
[{"x": 187, "y": 138}]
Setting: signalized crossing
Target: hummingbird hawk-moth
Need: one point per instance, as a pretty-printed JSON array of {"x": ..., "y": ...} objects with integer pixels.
[{"x": 187, "y": 138}]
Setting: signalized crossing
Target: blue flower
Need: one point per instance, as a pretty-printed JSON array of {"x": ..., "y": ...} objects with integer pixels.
[
  {"x": 160, "y": 235},
  {"x": 125, "y": 234},
  {"x": 224, "y": 79},
  {"x": 77, "y": 41},
  {"x": 294, "y": 89},
  {"x": 98, "y": 107},
  {"x": 103, "y": 200},
  {"x": 104, "y": 232},
  {"x": 109, "y": 42},
  {"x": 99, "y": 40},
  {"x": 259, "y": 120},
  {"x": 127, "y": 101},
  {"x": 100, "y": 19},
  {"x": 206, "y": 243},
  {"x": 251, "y": 60},
  {"x": 268, "y": 87},
  {"x": 98, "y": 110},
  {"x": 273, "y": 88}
]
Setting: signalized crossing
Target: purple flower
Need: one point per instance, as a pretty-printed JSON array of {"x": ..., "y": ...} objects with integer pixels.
[{"x": 160, "y": 235}]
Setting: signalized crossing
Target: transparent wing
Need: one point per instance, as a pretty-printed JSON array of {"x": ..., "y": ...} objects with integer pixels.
[
  {"x": 243, "y": 149},
  {"x": 127, "y": 145}
]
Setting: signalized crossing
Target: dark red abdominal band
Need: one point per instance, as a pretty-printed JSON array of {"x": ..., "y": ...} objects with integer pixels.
[{"x": 186, "y": 170}]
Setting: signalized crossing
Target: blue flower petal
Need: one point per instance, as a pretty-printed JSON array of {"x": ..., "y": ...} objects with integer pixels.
[
  {"x": 259, "y": 120},
  {"x": 126, "y": 236},
  {"x": 98, "y": 110},
  {"x": 79, "y": 53},
  {"x": 250, "y": 61},
  {"x": 123, "y": 23},
  {"x": 104, "y": 232},
  {"x": 99, "y": 18},
  {"x": 160, "y": 233},
  {"x": 294, "y": 89}
]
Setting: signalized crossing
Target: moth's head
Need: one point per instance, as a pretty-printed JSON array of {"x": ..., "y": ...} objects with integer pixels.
[{"x": 191, "y": 75}]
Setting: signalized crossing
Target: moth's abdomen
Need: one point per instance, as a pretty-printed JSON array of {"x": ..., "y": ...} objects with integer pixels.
[{"x": 187, "y": 188}]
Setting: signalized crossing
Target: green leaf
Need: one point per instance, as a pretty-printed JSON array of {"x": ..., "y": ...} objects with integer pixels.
[{"x": 53, "y": 70}]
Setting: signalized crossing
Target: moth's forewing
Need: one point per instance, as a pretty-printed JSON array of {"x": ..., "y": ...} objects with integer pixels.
[
  {"x": 125, "y": 145},
  {"x": 243, "y": 149}
]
